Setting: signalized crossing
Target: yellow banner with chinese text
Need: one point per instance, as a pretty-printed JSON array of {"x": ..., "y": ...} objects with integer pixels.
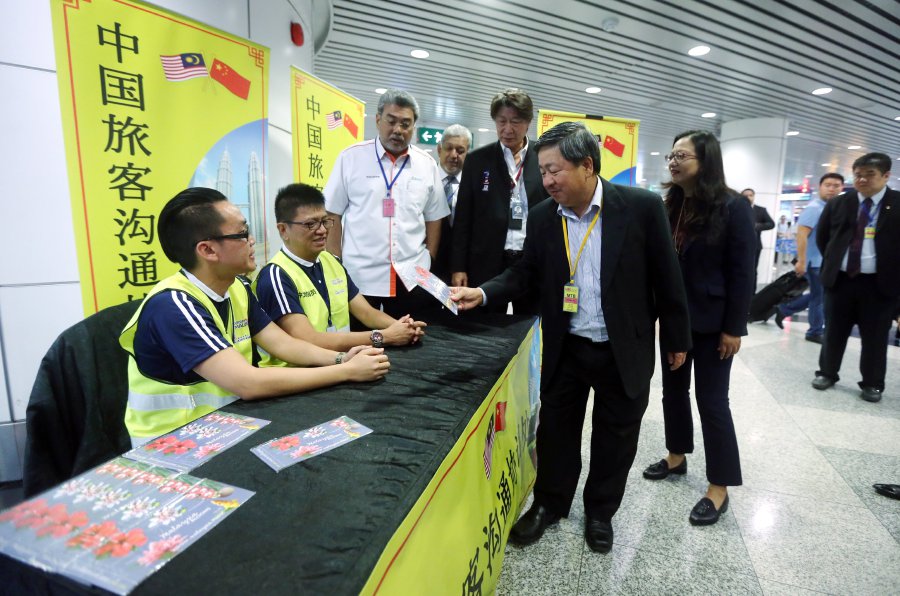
[
  {"x": 325, "y": 121},
  {"x": 453, "y": 538},
  {"x": 618, "y": 142},
  {"x": 152, "y": 103}
]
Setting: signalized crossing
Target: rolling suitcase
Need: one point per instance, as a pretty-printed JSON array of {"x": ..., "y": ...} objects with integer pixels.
[{"x": 786, "y": 287}]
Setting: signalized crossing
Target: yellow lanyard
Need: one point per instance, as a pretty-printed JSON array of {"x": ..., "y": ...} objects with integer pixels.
[{"x": 573, "y": 267}]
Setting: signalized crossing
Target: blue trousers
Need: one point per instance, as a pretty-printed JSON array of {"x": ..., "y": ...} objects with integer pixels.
[{"x": 813, "y": 300}]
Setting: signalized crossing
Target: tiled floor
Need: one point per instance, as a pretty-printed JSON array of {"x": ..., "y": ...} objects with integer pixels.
[{"x": 806, "y": 520}]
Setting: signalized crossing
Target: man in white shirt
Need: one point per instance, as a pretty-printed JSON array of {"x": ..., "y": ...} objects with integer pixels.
[{"x": 388, "y": 202}]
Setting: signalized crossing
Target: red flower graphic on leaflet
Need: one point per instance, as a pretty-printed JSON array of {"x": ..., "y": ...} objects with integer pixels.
[
  {"x": 285, "y": 443},
  {"x": 122, "y": 543},
  {"x": 161, "y": 443},
  {"x": 62, "y": 523},
  {"x": 179, "y": 447},
  {"x": 93, "y": 536},
  {"x": 22, "y": 514}
]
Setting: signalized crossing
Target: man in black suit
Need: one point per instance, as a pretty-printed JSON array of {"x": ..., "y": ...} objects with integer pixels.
[
  {"x": 452, "y": 150},
  {"x": 500, "y": 184},
  {"x": 762, "y": 221},
  {"x": 602, "y": 283},
  {"x": 859, "y": 237}
]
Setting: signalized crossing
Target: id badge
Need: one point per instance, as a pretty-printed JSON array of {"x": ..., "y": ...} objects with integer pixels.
[
  {"x": 516, "y": 214},
  {"x": 331, "y": 329},
  {"x": 570, "y": 298},
  {"x": 387, "y": 207},
  {"x": 869, "y": 232}
]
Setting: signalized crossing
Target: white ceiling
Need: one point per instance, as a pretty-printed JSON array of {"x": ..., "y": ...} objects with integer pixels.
[{"x": 767, "y": 56}]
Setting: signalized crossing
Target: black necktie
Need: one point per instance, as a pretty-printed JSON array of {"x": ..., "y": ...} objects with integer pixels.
[{"x": 854, "y": 256}]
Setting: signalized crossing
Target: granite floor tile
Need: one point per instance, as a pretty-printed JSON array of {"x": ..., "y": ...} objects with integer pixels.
[
  {"x": 551, "y": 566},
  {"x": 827, "y": 547},
  {"x": 871, "y": 433},
  {"x": 627, "y": 570},
  {"x": 771, "y": 588}
]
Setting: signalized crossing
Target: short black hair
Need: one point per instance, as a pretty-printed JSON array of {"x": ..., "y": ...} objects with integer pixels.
[
  {"x": 294, "y": 196},
  {"x": 750, "y": 189},
  {"x": 834, "y": 175},
  {"x": 516, "y": 99},
  {"x": 575, "y": 143},
  {"x": 189, "y": 217},
  {"x": 879, "y": 161}
]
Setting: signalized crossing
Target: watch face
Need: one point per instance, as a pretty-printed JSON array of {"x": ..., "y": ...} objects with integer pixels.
[{"x": 377, "y": 338}]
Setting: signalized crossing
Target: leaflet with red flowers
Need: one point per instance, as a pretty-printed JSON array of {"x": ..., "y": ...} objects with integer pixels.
[
  {"x": 197, "y": 442},
  {"x": 290, "y": 449},
  {"x": 413, "y": 275},
  {"x": 115, "y": 525}
]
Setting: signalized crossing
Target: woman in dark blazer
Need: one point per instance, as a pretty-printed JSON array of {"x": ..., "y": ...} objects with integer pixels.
[{"x": 712, "y": 228}]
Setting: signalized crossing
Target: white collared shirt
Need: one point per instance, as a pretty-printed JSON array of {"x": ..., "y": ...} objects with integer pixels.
[
  {"x": 867, "y": 257},
  {"x": 203, "y": 287},
  {"x": 515, "y": 239},
  {"x": 588, "y": 321},
  {"x": 356, "y": 190}
]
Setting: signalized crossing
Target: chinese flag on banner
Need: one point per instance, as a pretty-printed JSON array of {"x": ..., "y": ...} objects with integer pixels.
[
  {"x": 350, "y": 124},
  {"x": 500, "y": 417},
  {"x": 230, "y": 79},
  {"x": 613, "y": 145}
]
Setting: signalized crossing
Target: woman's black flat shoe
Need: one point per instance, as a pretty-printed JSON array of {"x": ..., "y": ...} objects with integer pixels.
[
  {"x": 705, "y": 513},
  {"x": 661, "y": 469}
]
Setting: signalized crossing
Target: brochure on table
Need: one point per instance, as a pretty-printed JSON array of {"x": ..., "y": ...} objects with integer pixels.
[
  {"x": 296, "y": 447},
  {"x": 115, "y": 525},
  {"x": 413, "y": 275}
]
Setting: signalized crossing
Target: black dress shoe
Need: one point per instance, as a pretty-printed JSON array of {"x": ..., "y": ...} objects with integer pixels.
[
  {"x": 705, "y": 513},
  {"x": 822, "y": 383},
  {"x": 778, "y": 319},
  {"x": 816, "y": 339},
  {"x": 870, "y": 394},
  {"x": 599, "y": 535},
  {"x": 661, "y": 469},
  {"x": 888, "y": 490},
  {"x": 531, "y": 526}
]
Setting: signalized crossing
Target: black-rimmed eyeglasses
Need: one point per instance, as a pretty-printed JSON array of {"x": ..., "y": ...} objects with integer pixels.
[
  {"x": 239, "y": 236},
  {"x": 313, "y": 224}
]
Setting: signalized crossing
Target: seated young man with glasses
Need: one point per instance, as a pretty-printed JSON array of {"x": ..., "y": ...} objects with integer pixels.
[
  {"x": 191, "y": 341},
  {"x": 307, "y": 291}
]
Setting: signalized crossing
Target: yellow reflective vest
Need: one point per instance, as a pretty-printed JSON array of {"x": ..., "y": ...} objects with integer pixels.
[
  {"x": 314, "y": 307},
  {"x": 156, "y": 407}
]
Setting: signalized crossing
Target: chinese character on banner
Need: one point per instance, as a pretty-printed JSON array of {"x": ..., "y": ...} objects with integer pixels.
[{"x": 149, "y": 100}]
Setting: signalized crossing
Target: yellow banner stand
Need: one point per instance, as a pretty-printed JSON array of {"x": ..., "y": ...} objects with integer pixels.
[
  {"x": 618, "y": 142},
  {"x": 452, "y": 540},
  {"x": 325, "y": 121},
  {"x": 152, "y": 102}
]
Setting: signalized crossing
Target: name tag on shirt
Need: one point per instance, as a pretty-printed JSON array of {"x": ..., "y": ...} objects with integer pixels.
[
  {"x": 387, "y": 207},
  {"x": 570, "y": 298},
  {"x": 516, "y": 213},
  {"x": 869, "y": 232}
]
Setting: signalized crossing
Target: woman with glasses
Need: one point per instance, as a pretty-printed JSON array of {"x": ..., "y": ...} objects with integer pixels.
[{"x": 712, "y": 229}]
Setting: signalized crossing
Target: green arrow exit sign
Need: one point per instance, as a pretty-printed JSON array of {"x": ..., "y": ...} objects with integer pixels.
[{"x": 429, "y": 136}]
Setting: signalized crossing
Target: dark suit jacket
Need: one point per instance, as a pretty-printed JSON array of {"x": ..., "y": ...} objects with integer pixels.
[
  {"x": 835, "y": 230},
  {"x": 718, "y": 273},
  {"x": 762, "y": 221},
  {"x": 482, "y": 216},
  {"x": 639, "y": 282}
]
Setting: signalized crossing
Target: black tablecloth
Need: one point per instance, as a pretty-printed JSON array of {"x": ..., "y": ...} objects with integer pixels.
[{"x": 318, "y": 527}]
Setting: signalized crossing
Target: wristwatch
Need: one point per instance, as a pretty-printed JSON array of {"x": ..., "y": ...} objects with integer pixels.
[
  {"x": 339, "y": 358},
  {"x": 377, "y": 339}
]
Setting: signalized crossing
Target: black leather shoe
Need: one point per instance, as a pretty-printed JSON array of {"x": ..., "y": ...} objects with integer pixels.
[
  {"x": 816, "y": 339},
  {"x": 531, "y": 526},
  {"x": 599, "y": 535},
  {"x": 888, "y": 490},
  {"x": 705, "y": 513},
  {"x": 870, "y": 394},
  {"x": 822, "y": 383},
  {"x": 778, "y": 319},
  {"x": 661, "y": 469}
]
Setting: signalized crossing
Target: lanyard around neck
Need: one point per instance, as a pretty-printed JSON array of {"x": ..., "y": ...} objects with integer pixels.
[
  {"x": 574, "y": 266},
  {"x": 390, "y": 184}
]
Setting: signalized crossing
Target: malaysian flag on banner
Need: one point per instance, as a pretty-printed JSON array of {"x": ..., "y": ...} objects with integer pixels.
[
  {"x": 182, "y": 67},
  {"x": 489, "y": 449},
  {"x": 333, "y": 120}
]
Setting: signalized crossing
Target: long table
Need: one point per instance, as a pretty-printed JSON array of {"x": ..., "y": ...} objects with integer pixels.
[{"x": 420, "y": 499}]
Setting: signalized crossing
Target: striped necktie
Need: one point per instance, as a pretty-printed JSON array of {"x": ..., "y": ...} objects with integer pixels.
[
  {"x": 854, "y": 255},
  {"x": 449, "y": 181}
]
